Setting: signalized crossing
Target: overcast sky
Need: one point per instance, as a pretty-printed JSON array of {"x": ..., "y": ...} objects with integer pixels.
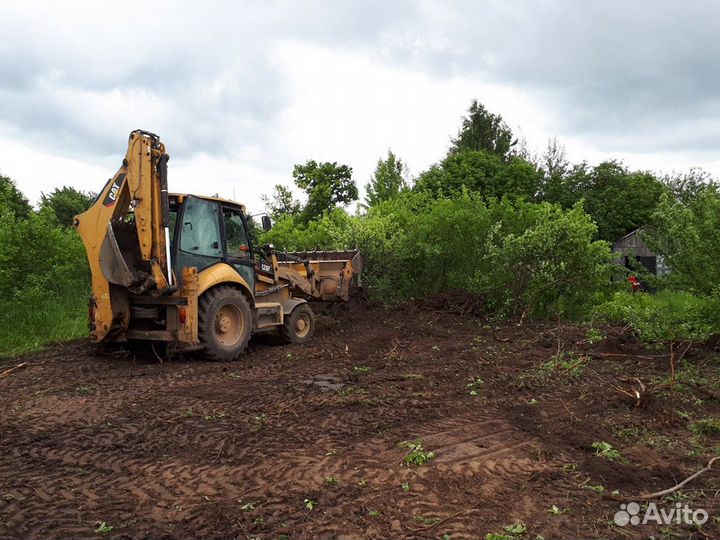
[{"x": 240, "y": 91}]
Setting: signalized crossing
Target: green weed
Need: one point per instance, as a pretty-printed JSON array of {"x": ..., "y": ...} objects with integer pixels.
[
  {"x": 705, "y": 426},
  {"x": 606, "y": 450},
  {"x": 416, "y": 454},
  {"x": 103, "y": 528},
  {"x": 474, "y": 384}
]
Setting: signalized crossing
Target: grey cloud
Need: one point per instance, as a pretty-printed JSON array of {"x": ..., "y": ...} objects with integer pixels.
[
  {"x": 208, "y": 64},
  {"x": 624, "y": 74},
  {"x": 634, "y": 76}
]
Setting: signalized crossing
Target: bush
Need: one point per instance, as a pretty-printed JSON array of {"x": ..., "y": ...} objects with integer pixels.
[
  {"x": 665, "y": 316},
  {"x": 685, "y": 234},
  {"x": 524, "y": 258},
  {"x": 553, "y": 267},
  {"x": 44, "y": 282}
]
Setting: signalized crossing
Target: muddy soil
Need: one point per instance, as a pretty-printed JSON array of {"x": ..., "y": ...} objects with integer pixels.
[{"x": 304, "y": 441}]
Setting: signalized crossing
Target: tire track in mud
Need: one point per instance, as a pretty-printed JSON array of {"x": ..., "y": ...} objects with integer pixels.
[{"x": 181, "y": 449}]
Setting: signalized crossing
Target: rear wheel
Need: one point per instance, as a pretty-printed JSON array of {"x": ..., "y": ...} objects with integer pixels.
[
  {"x": 224, "y": 323},
  {"x": 299, "y": 326}
]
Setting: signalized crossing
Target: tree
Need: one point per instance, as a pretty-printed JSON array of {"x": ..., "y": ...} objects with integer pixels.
[
  {"x": 618, "y": 200},
  {"x": 482, "y": 130},
  {"x": 12, "y": 199},
  {"x": 67, "y": 202},
  {"x": 686, "y": 235},
  {"x": 686, "y": 187},
  {"x": 388, "y": 180},
  {"x": 555, "y": 168},
  {"x": 326, "y": 185},
  {"x": 281, "y": 202},
  {"x": 483, "y": 172}
]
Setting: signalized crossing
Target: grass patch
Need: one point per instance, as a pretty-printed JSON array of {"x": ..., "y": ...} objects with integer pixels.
[
  {"x": 706, "y": 426},
  {"x": 26, "y": 327}
]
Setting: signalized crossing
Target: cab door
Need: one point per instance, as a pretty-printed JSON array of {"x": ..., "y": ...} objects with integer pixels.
[{"x": 236, "y": 242}]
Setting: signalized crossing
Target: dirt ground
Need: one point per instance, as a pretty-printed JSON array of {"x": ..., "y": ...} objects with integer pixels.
[{"x": 303, "y": 441}]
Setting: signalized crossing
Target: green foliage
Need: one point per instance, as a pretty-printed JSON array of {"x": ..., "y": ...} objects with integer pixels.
[
  {"x": 685, "y": 187},
  {"x": 11, "y": 200},
  {"x": 387, "y": 182},
  {"x": 281, "y": 203},
  {"x": 326, "y": 185},
  {"x": 511, "y": 532},
  {"x": 524, "y": 258},
  {"x": 332, "y": 230},
  {"x": 705, "y": 426},
  {"x": 65, "y": 203},
  {"x": 416, "y": 453},
  {"x": 685, "y": 234},
  {"x": 606, "y": 450},
  {"x": 551, "y": 267},
  {"x": 44, "y": 282},
  {"x": 103, "y": 528},
  {"x": 483, "y": 172},
  {"x": 619, "y": 201},
  {"x": 665, "y": 316},
  {"x": 482, "y": 130}
]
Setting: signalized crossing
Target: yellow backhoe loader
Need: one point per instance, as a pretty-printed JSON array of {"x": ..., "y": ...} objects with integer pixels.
[{"x": 181, "y": 270}]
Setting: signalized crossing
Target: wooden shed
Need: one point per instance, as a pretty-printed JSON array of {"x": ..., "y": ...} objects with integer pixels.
[{"x": 632, "y": 245}]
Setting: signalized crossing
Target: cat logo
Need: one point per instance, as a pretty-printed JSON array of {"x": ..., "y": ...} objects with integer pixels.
[
  {"x": 264, "y": 267},
  {"x": 112, "y": 195}
]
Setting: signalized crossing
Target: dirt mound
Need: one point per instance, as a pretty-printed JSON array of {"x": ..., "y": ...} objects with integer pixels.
[
  {"x": 303, "y": 441},
  {"x": 455, "y": 302}
]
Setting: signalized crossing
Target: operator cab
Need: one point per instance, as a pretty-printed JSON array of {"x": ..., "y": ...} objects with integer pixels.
[{"x": 208, "y": 230}]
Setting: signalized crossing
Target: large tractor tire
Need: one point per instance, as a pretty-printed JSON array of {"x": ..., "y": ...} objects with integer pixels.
[
  {"x": 224, "y": 323},
  {"x": 299, "y": 326}
]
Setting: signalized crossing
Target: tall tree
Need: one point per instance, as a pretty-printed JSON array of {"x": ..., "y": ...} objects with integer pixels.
[
  {"x": 619, "y": 200},
  {"x": 326, "y": 185},
  {"x": 67, "y": 202},
  {"x": 281, "y": 202},
  {"x": 482, "y": 130},
  {"x": 687, "y": 186},
  {"x": 555, "y": 167},
  {"x": 12, "y": 199},
  {"x": 388, "y": 180},
  {"x": 482, "y": 172}
]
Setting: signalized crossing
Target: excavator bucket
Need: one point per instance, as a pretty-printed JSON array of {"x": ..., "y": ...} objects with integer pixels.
[{"x": 330, "y": 273}]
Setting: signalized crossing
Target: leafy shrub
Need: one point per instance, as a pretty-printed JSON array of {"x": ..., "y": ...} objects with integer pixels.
[
  {"x": 665, "y": 316},
  {"x": 524, "y": 258},
  {"x": 684, "y": 232},
  {"x": 44, "y": 282},
  {"x": 552, "y": 267}
]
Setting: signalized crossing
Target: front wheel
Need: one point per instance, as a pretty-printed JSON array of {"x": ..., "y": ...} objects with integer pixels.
[
  {"x": 224, "y": 323},
  {"x": 299, "y": 326}
]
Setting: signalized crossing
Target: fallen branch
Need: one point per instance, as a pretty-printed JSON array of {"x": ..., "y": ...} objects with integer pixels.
[
  {"x": 658, "y": 494},
  {"x": 9, "y": 371}
]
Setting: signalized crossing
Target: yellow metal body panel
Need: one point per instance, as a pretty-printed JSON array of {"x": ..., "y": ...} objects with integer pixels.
[
  {"x": 219, "y": 274},
  {"x": 134, "y": 184},
  {"x": 128, "y": 260}
]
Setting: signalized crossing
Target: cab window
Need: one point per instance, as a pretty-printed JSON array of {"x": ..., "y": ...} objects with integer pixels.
[
  {"x": 237, "y": 245},
  {"x": 200, "y": 228}
]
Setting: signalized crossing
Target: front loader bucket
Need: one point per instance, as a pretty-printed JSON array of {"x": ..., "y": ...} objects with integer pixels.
[{"x": 329, "y": 273}]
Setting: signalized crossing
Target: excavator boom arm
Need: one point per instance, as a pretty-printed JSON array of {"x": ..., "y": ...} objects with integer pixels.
[{"x": 128, "y": 255}]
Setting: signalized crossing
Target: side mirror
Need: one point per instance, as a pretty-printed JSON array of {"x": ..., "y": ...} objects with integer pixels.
[{"x": 266, "y": 223}]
